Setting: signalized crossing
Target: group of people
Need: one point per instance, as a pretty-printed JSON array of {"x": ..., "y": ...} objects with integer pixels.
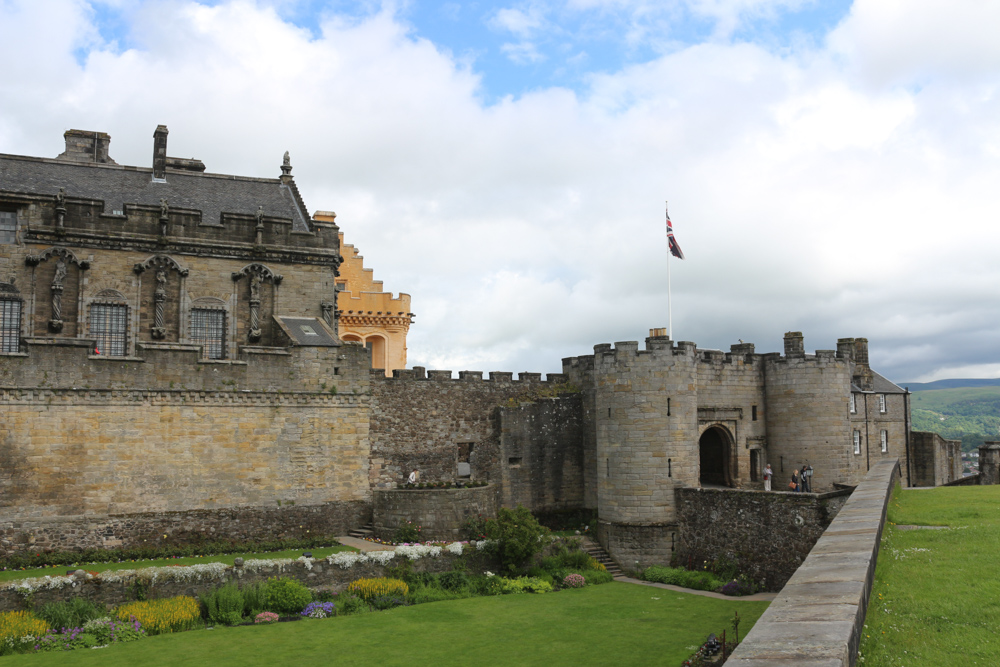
[{"x": 801, "y": 481}]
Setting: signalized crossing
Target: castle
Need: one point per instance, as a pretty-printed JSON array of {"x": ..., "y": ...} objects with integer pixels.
[{"x": 176, "y": 365}]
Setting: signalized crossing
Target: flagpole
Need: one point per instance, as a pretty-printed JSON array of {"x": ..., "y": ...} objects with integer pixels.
[{"x": 670, "y": 310}]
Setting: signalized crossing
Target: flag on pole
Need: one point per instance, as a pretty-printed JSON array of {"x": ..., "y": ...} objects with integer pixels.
[{"x": 675, "y": 249}]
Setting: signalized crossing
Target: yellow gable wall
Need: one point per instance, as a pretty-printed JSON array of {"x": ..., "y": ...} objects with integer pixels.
[{"x": 367, "y": 313}]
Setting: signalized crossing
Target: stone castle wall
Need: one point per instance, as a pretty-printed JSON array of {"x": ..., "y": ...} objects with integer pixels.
[
  {"x": 542, "y": 454},
  {"x": 440, "y": 513},
  {"x": 428, "y": 420},
  {"x": 107, "y": 466},
  {"x": 935, "y": 461},
  {"x": 807, "y": 418}
]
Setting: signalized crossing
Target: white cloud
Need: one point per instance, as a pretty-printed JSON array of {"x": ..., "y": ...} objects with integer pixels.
[
  {"x": 522, "y": 22},
  {"x": 807, "y": 191}
]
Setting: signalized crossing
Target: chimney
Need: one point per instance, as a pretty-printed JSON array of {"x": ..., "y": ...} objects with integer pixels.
[
  {"x": 86, "y": 146},
  {"x": 845, "y": 348},
  {"x": 160, "y": 153},
  {"x": 794, "y": 344},
  {"x": 862, "y": 371}
]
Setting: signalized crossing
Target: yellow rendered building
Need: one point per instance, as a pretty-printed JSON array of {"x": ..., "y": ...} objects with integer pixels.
[{"x": 367, "y": 314}]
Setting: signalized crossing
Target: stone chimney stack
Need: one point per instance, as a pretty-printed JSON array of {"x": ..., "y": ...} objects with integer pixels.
[
  {"x": 794, "y": 344},
  {"x": 845, "y": 348},
  {"x": 862, "y": 371},
  {"x": 160, "y": 152},
  {"x": 86, "y": 146}
]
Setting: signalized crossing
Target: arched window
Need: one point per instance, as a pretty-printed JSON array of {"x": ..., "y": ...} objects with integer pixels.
[{"x": 109, "y": 323}]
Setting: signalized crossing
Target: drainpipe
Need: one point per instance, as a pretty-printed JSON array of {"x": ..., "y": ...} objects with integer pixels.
[
  {"x": 868, "y": 453},
  {"x": 906, "y": 421}
]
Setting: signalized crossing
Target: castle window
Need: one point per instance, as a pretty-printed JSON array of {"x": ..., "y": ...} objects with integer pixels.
[
  {"x": 881, "y": 403},
  {"x": 10, "y": 324},
  {"x": 753, "y": 413},
  {"x": 109, "y": 325},
  {"x": 857, "y": 442},
  {"x": 208, "y": 328},
  {"x": 854, "y": 406},
  {"x": 514, "y": 461},
  {"x": 885, "y": 440},
  {"x": 8, "y": 227}
]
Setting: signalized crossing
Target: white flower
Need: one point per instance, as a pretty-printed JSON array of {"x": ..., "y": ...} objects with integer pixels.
[
  {"x": 380, "y": 557},
  {"x": 344, "y": 559},
  {"x": 454, "y": 548}
]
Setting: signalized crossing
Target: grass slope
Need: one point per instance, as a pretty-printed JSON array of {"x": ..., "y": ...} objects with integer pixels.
[
  {"x": 613, "y": 624},
  {"x": 936, "y": 599},
  {"x": 969, "y": 414}
]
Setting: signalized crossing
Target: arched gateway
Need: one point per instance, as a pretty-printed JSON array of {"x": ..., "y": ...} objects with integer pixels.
[{"x": 715, "y": 457}]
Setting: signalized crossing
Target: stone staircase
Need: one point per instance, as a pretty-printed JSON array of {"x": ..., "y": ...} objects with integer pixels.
[
  {"x": 601, "y": 556},
  {"x": 365, "y": 532}
]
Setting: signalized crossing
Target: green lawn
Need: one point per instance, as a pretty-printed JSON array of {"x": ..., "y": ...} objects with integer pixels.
[
  {"x": 612, "y": 624},
  {"x": 936, "y": 597},
  {"x": 9, "y": 575}
]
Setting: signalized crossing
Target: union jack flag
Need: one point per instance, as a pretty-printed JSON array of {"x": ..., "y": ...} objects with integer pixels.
[{"x": 675, "y": 249}]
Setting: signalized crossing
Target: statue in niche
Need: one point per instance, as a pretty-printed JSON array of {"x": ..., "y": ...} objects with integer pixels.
[
  {"x": 60, "y": 208},
  {"x": 159, "y": 300},
  {"x": 164, "y": 209},
  {"x": 255, "y": 332},
  {"x": 56, "y": 323}
]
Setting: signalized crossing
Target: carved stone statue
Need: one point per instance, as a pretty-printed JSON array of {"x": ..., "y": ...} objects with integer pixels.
[
  {"x": 164, "y": 209},
  {"x": 159, "y": 299},
  {"x": 61, "y": 198},
  {"x": 286, "y": 161},
  {"x": 56, "y": 323}
]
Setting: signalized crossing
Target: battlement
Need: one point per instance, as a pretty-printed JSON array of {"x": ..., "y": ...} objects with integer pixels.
[{"x": 420, "y": 373}]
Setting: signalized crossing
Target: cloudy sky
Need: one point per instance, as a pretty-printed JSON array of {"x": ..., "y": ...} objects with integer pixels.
[{"x": 828, "y": 164}]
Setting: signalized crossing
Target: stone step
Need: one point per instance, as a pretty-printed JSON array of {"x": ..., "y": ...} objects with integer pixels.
[
  {"x": 601, "y": 556},
  {"x": 364, "y": 532}
]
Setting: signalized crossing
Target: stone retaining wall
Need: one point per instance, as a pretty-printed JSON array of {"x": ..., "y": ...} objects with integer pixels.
[
  {"x": 817, "y": 618},
  {"x": 439, "y": 512},
  {"x": 321, "y": 575},
  {"x": 767, "y": 534}
]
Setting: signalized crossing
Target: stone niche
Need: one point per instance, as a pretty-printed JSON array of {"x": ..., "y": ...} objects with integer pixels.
[{"x": 439, "y": 512}]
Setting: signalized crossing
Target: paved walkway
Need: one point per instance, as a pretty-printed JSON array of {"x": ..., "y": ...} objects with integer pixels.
[
  {"x": 364, "y": 545},
  {"x": 756, "y": 597}
]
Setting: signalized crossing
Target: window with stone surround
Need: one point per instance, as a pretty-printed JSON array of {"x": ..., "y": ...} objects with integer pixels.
[
  {"x": 885, "y": 440},
  {"x": 857, "y": 442},
  {"x": 208, "y": 329},
  {"x": 10, "y": 323},
  {"x": 853, "y": 404},
  {"x": 881, "y": 403},
  {"x": 8, "y": 226},
  {"x": 109, "y": 325}
]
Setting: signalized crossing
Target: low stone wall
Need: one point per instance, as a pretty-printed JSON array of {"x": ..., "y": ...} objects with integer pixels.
[
  {"x": 182, "y": 527},
  {"x": 767, "y": 534},
  {"x": 321, "y": 575},
  {"x": 636, "y": 546},
  {"x": 968, "y": 480},
  {"x": 439, "y": 512},
  {"x": 817, "y": 618}
]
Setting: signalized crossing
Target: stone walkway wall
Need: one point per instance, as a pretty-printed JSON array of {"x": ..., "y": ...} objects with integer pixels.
[{"x": 817, "y": 618}]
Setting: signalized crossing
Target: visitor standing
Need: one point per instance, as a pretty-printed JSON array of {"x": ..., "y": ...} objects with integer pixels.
[
  {"x": 804, "y": 480},
  {"x": 768, "y": 474},
  {"x": 414, "y": 476},
  {"x": 794, "y": 485}
]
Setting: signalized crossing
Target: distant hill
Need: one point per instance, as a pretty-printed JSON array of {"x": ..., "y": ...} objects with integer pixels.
[
  {"x": 966, "y": 412},
  {"x": 949, "y": 384}
]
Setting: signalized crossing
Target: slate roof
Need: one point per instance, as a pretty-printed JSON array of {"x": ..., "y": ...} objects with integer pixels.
[
  {"x": 117, "y": 185},
  {"x": 880, "y": 385}
]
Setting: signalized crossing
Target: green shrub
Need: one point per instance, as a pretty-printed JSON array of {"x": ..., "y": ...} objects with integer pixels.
[
  {"x": 703, "y": 581},
  {"x": 383, "y": 602},
  {"x": 407, "y": 533},
  {"x": 542, "y": 575},
  {"x": 71, "y": 614},
  {"x": 453, "y": 581},
  {"x": 348, "y": 603},
  {"x": 474, "y": 527},
  {"x": 524, "y": 585},
  {"x": 223, "y": 605},
  {"x": 595, "y": 577},
  {"x": 486, "y": 585},
  {"x": 285, "y": 596},
  {"x": 425, "y": 594},
  {"x": 255, "y": 599},
  {"x": 517, "y": 536}
]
